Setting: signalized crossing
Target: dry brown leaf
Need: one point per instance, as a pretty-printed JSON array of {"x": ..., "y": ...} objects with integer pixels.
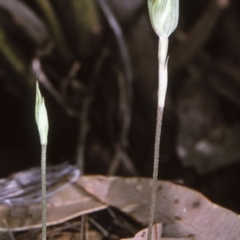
[
  {"x": 142, "y": 235},
  {"x": 183, "y": 212},
  {"x": 20, "y": 207},
  {"x": 156, "y": 234},
  {"x": 64, "y": 205},
  {"x": 188, "y": 238},
  {"x": 91, "y": 235}
]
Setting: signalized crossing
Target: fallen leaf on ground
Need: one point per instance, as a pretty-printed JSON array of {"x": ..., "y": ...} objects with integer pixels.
[
  {"x": 142, "y": 235},
  {"x": 183, "y": 212},
  {"x": 156, "y": 234}
]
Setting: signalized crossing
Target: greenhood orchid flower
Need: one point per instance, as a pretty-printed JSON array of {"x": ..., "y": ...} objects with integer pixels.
[
  {"x": 163, "y": 16},
  {"x": 41, "y": 116}
]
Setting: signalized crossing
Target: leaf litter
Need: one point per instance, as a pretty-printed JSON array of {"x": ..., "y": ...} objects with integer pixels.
[{"x": 183, "y": 213}]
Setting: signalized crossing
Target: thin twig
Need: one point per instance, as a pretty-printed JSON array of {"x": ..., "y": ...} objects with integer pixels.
[
  {"x": 115, "y": 26},
  {"x": 124, "y": 54},
  {"x": 9, "y": 231},
  {"x": 121, "y": 156},
  {"x": 124, "y": 113},
  {"x": 83, "y": 130},
  {"x": 99, "y": 227},
  {"x": 125, "y": 87}
]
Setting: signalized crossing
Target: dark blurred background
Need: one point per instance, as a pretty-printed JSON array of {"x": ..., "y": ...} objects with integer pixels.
[{"x": 96, "y": 62}]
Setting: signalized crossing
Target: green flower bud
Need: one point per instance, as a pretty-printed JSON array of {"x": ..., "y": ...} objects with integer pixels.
[
  {"x": 164, "y": 16},
  {"x": 41, "y": 116}
]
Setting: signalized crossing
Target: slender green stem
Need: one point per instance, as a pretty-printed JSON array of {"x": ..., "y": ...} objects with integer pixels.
[
  {"x": 44, "y": 190},
  {"x": 162, "y": 88}
]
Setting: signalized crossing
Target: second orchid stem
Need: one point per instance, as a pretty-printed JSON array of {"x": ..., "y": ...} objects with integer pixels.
[
  {"x": 41, "y": 117},
  {"x": 44, "y": 191}
]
